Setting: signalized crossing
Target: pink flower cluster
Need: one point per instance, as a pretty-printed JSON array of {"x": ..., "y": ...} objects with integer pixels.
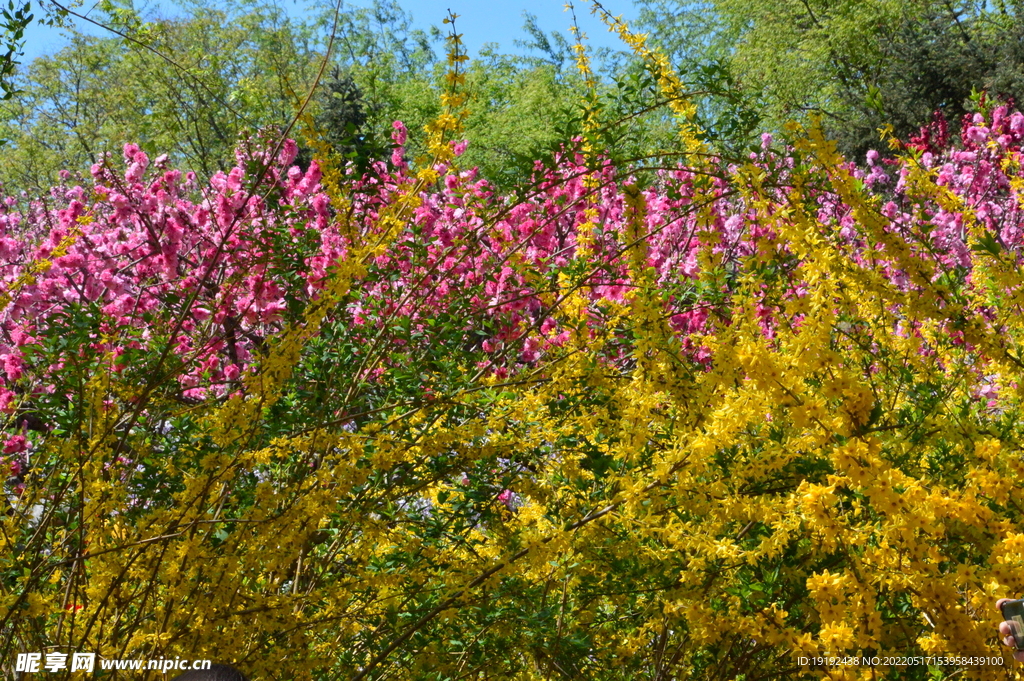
[
  {"x": 209, "y": 270},
  {"x": 148, "y": 240}
]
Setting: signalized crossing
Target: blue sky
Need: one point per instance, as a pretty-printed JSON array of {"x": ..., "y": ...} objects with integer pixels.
[{"x": 480, "y": 22}]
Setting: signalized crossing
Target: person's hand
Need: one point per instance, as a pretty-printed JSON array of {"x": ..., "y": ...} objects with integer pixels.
[{"x": 1006, "y": 634}]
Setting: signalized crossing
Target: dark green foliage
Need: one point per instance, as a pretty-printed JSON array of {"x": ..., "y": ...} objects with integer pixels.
[
  {"x": 859, "y": 65},
  {"x": 342, "y": 122},
  {"x": 931, "y": 64},
  {"x": 343, "y": 116}
]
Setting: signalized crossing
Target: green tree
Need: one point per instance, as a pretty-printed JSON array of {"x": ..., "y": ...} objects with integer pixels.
[
  {"x": 858, "y": 64},
  {"x": 188, "y": 87},
  {"x": 15, "y": 19},
  {"x": 202, "y": 80},
  {"x": 933, "y": 63},
  {"x": 188, "y": 92}
]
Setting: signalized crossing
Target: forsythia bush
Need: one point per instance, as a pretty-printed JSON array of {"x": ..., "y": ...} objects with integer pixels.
[{"x": 690, "y": 422}]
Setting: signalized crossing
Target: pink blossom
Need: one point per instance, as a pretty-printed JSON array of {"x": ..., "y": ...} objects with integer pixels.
[{"x": 16, "y": 444}]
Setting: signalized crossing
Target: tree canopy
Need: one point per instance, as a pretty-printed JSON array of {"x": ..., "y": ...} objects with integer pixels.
[{"x": 860, "y": 65}]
